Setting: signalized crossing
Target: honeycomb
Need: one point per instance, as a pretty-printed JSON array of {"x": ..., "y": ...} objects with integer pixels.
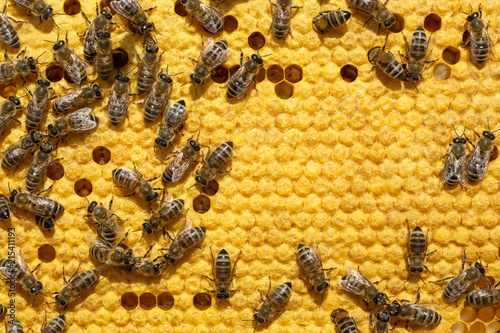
[{"x": 328, "y": 154}]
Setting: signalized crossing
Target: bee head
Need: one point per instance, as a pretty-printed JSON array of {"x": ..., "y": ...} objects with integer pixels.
[
  {"x": 195, "y": 145},
  {"x": 201, "y": 181},
  {"x": 32, "y": 63},
  {"x": 106, "y": 14},
  {"x": 37, "y": 136},
  {"x": 184, "y": 2},
  {"x": 122, "y": 78},
  {"x": 46, "y": 146},
  {"x": 103, "y": 34},
  {"x": 415, "y": 270},
  {"x": 151, "y": 47},
  {"x": 459, "y": 140},
  {"x": 394, "y": 308},
  {"x": 48, "y": 13},
  {"x": 36, "y": 289},
  {"x": 169, "y": 259},
  {"x": 43, "y": 82},
  {"x": 60, "y": 301},
  {"x": 146, "y": 28},
  {"x": 15, "y": 100},
  {"x": 323, "y": 287},
  {"x": 146, "y": 228},
  {"x": 489, "y": 135},
  {"x": 389, "y": 22},
  {"x": 480, "y": 268},
  {"x": 195, "y": 79},
  {"x": 412, "y": 77},
  {"x": 258, "y": 318},
  {"x": 383, "y": 315},
  {"x": 45, "y": 223},
  {"x": 91, "y": 206},
  {"x": 4, "y": 214},
  {"x": 58, "y": 45},
  {"x": 223, "y": 296},
  {"x": 160, "y": 143},
  {"x": 129, "y": 258},
  {"x": 257, "y": 58},
  {"x": 380, "y": 299},
  {"x": 165, "y": 77},
  {"x": 473, "y": 16},
  {"x": 157, "y": 268},
  {"x": 97, "y": 90},
  {"x": 152, "y": 197},
  {"x": 52, "y": 130}
]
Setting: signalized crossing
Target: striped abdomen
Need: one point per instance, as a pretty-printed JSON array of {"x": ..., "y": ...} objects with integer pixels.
[
  {"x": 281, "y": 21},
  {"x": 329, "y": 19},
  {"x": 480, "y": 47},
  {"x": 8, "y": 33},
  {"x": 238, "y": 84},
  {"x": 452, "y": 172},
  {"x": 355, "y": 286},
  {"x": 147, "y": 73},
  {"x": 89, "y": 49},
  {"x": 44, "y": 206},
  {"x": 477, "y": 164},
  {"x": 37, "y": 171},
  {"x": 419, "y": 44},
  {"x": 368, "y": 6},
  {"x": 56, "y": 325},
  {"x": 456, "y": 287},
  {"x": 346, "y": 325},
  {"x": 309, "y": 262},
  {"x": 80, "y": 283},
  {"x": 35, "y": 112},
  {"x": 221, "y": 155},
  {"x": 155, "y": 102},
  {"x": 7, "y": 71},
  {"x": 117, "y": 107},
  {"x": 480, "y": 298},
  {"x": 126, "y": 178},
  {"x": 104, "y": 61},
  {"x": 417, "y": 243},
  {"x": 211, "y": 58},
  {"x": 14, "y": 326},
  {"x": 106, "y": 233},
  {"x": 223, "y": 269},
  {"x": 394, "y": 69},
  {"x": 275, "y": 301},
  {"x": 14, "y": 156},
  {"x": 424, "y": 316},
  {"x": 4, "y": 209},
  {"x": 191, "y": 237},
  {"x": 171, "y": 210}
]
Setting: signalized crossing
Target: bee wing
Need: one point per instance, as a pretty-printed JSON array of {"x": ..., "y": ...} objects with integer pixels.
[
  {"x": 123, "y": 99},
  {"x": 207, "y": 45},
  {"x": 75, "y": 75},
  {"x": 179, "y": 167},
  {"x": 208, "y": 23},
  {"x": 187, "y": 225},
  {"x": 80, "y": 120},
  {"x": 65, "y": 101},
  {"x": 119, "y": 7},
  {"x": 22, "y": 264},
  {"x": 23, "y": 3},
  {"x": 361, "y": 279},
  {"x": 283, "y": 12}
]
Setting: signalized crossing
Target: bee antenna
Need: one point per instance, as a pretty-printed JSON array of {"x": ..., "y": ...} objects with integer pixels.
[
  {"x": 48, "y": 41},
  {"x": 41, "y": 55},
  {"x": 455, "y": 129},
  {"x": 184, "y": 84},
  {"x": 192, "y": 186},
  {"x": 176, "y": 74},
  {"x": 267, "y": 55},
  {"x": 464, "y": 131},
  {"x": 488, "y": 122}
]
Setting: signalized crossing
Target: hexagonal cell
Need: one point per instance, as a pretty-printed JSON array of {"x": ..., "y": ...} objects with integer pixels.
[
  {"x": 233, "y": 69},
  {"x": 261, "y": 75},
  {"x": 230, "y": 23},
  {"x": 478, "y": 327},
  {"x": 129, "y": 301},
  {"x": 101, "y": 155},
  {"x": 211, "y": 188},
  {"x": 459, "y": 328},
  {"x": 399, "y": 25},
  {"x": 8, "y": 90},
  {"x": 147, "y": 301},
  {"x": 165, "y": 301},
  {"x": 432, "y": 22},
  {"x": 293, "y": 73},
  {"x": 83, "y": 187},
  {"x": 275, "y": 73},
  {"x": 256, "y": 40},
  {"x": 493, "y": 327},
  {"x": 46, "y": 253},
  {"x": 441, "y": 72},
  {"x": 120, "y": 57},
  {"x": 201, "y": 204},
  {"x": 468, "y": 314},
  {"x": 451, "y": 55},
  {"x": 486, "y": 314},
  {"x": 55, "y": 171},
  {"x": 494, "y": 157},
  {"x": 202, "y": 301},
  {"x": 284, "y": 90},
  {"x": 465, "y": 37},
  {"x": 72, "y": 7},
  {"x": 220, "y": 74},
  {"x": 54, "y": 73},
  {"x": 67, "y": 78},
  {"x": 483, "y": 285},
  {"x": 349, "y": 73},
  {"x": 179, "y": 9}
]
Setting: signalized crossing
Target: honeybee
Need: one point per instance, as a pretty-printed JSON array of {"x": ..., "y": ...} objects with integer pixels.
[
  {"x": 8, "y": 109},
  {"x": 146, "y": 267},
  {"x": 133, "y": 181},
  {"x": 37, "y": 8},
  {"x": 477, "y": 162},
  {"x": 356, "y": 283},
  {"x": 273, "y": 303},
  {"x": 118, "y": 100},
  {"x": 104, "y": 59},
  {"x": 172, "y": 121},
  {"x": 211, "y": 56},
  {"x": 177, "y": 168},
  {"x": 310, "y": 263},
  {"x": 77, "y": 285},
  {"x": 17, "y": 68},
  {"x": 240, "y": 81},
  {"x": 377, "y": 10},
  {"x": 17, "y": 271},
  {"x": 38, "y": 167},
  {"x": 148, "y": 66},
  {"x": 416, "y": 52},
  {"x": 73, "y": 65},
  {"x": 38, "y": 105},
  {"x": 213, "y": 163},
  {"x": 4, "y": 208},
  {"x": 101, "y": 23},
  {"x": 158, "y": 97},
  {"x": 454, "y": 167},
  {"x": 386, "y": 61},
  {"x": 8, "y": 33},
  {"x": 106, "y": 222},
  {"x": 281, "y": 17},
  {"x": 414, "y": 313},
  {"x": 343, "y": 323},
  {"x": 112, "y": 255},
  {"x": 480, "y": 41},
  {"x": 329, "y": 19},
  {"x": 14, "y": 326},
  {"x": 45, "y": 222},
  {"x": 3, "y": 310},
  {"x": 35, "y": 204},
  {"x": 164, "y": 214},
  {"x": 56, "y": 325},
  {"x": 77, "y": 99},
  {"x": 18, "y": 151},
  {"x": 417, "y": 251},
  {"x": 480, "y": 298},
  {"x": 132, "y": 10},
  {"x": 223, "y": 275},
  {"x": 381, "y": 322},
  {"x": 460, "y": 283},
  {"x": 78, "y": 121},
  {"x": 187, "y": 237},
  {"x": 210, "y": 17}
]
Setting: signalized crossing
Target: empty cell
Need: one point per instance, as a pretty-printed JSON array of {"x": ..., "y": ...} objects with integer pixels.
[
  {"x": 101, "y": 155},
  {"x": 129, "y": 301},
  {"x": 256, "y": 40},
  {"x": 165, "y": 301},
  {"x": 230, "y": 23},
  {"x": 399, "y": 25},
  {"x": 67, "y": 78},
  {"x": 220, "y": 74},
  {"x": 493, "y": 327},
  {"x": 55, "y": 171},
  {"x": 234, "y": 69},
  {"x": 486, "y": 314},
  {"x": 72, "y": 7},
  {"x": 120, "y": 57},
  {"x": 465, "y": 37},
  {"x": 46, "y": 253},
  {"x": 451, "y": 55},
  {"x": 349, "y": 73},
  {"x": 179, "y": 9},
  {"x": 202, "y": 301},
  {"x": 201, "y": 204},
  {"x": 261, "y": 75},
  {"x": 441, "y": 72},
  {"x": 459, "y": 328},
  {"x": 8, "y": 90},
  {"x": 468, "y": 314},
  {"x": 147, "y": 301},
  {"x": 83, "y": 187},
  {"x": 283, "y": 90},
  {"x": 275, "y": 73},
  {"x": 211, "y": 188},
  {"x": 293, "y": 73},
  {"x": 432, "y": 22},
  {"x": 495, "y": 154},
  {"x": 478, "y": 327},
  {"x": 483, "y": 285},
  {"x": 54, "y": 73}
]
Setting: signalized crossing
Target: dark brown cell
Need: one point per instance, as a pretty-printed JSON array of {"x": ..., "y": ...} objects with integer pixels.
[
  {"x": 220, "y": 74},
  {"x": 233, "y": 69},
  {"x": 261, "y": 75},
  {"x": 230, "y": 23},
  {"x": 120, "y": 57},
  {"x": 179, "y": 9},
  {"x": 284, "y": 90},
  {"x": 72, "y": 7},
  {"x": 495, "y": 154},
  {"x": 101, "y": 155},
  {"x": 201, "y": 204},
  {"x": 67, "y": 78},
  {"x": 441, "y": 72},
  {"x": 478, "y": 327},
  {"x": 483, "y": 285},
  {"x": 8, "y": 90},
  {"x": 275, "y": 73},
  {"x": 83, "y": 187},
  {"x": 129, "y": 301},
  {"x": 293, "y": 73},
  {"x": 212, "y": 188},
  {"x": 432, "y": 22},
  {"x": 202, "y": 301},
  {"x": 256, "y": 40},
  {"x": 55, "y": 171},
  {"x": 465, "y": 37},
  {"x": 147, "y": 301},
  {"x": 451, "y": 55},
  {"x": 54, "y": 73},
  {"x": 399, "y": 25},
  {"x": 349, "y": 73},
  {"x": 165, "y": 301},
  {"x": 46, "y": 253}
]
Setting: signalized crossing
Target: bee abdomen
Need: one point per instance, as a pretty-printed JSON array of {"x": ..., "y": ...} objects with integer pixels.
[
  {"x": 9, "y": 34},
  {"x": 221, "y": 155},
  {"x": 480, "y": 47},
  {"x": 35, "y": 115},
  {"x": 172, "y": 210},
  {"x": 426, "y": 316},
  {"x": 167, "y": 174},
  {"x": 13, "y": 158},
  {"x": 418, "y": 242},
  {"x": 85, "y": 280},
  {"x": 418, "y": 46},
  {"x": 192, "y": 237},
  {"x": 307, "y": 259},
  {"x": 56, "y": 325},
  {"x": 145, "y": 79},
  {"x": 34, "y": 177},
  {"x": 223, "y": 266},
  {"x": 280, "y": 295},
  {"x": 116, "y": 110},
  {"x": 395, "y": 70},
  {"x": 238, "y": 85}
]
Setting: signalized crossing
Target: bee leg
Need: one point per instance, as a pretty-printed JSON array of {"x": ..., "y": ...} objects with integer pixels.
[
  {"x": 442, "y": 280},
  {"x": 212, "y": 280},
  {"x": 428, "y": 254},
  {"x": 402, "y": 56},
  {"x": 150, "y": 9},
  {"x": 86, "y": 18},
  {"x": 6, "y": 56},
  {"x": 261, "y": 298},
  {"x": 83, "y": 34},
  {"x": 33, "y": 271}
]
